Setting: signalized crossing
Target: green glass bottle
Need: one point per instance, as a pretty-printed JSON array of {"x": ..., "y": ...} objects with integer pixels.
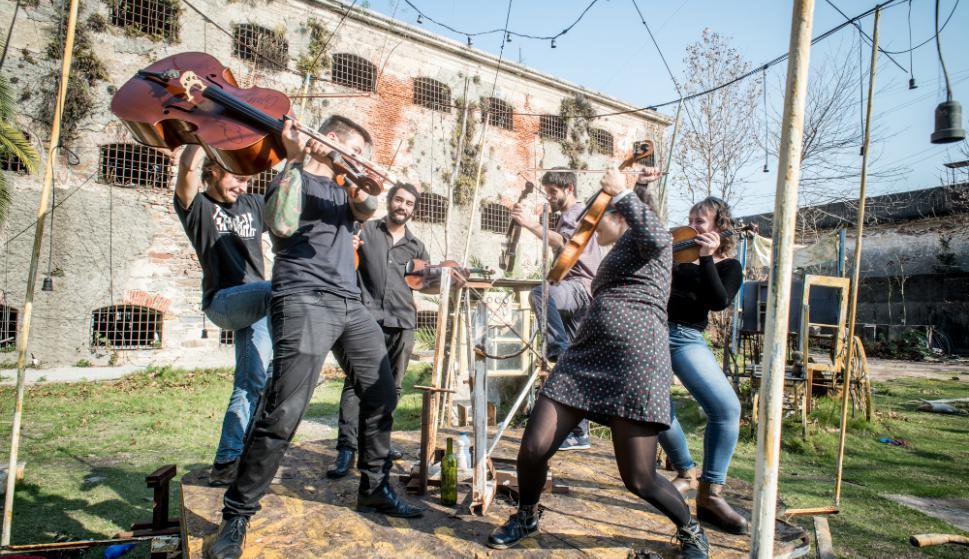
[{"x": 449, "y": 476}]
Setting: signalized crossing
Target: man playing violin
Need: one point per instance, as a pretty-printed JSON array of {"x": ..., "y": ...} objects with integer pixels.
[
  {"x": 316, "y": 303},
  {"x": 385, "y": 247},
  {"x": 569, "y": 299}
]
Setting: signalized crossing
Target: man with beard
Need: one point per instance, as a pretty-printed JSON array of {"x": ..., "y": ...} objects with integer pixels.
[
  {"x": 569, "y": 299},
  {"x": 385, "y": 247}
]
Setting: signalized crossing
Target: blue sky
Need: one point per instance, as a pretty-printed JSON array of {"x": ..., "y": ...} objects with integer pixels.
[{"x": 610, "y": 51}]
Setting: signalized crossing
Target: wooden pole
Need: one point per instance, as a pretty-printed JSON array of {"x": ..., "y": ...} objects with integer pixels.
[
  {"x": 779, "y": 291},
  {"x": 454, "y": 174},
  {"x": 42, "y": 209},
  {"x": 856, "y": 269}
]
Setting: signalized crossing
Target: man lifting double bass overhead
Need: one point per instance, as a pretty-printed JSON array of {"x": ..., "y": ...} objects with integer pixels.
[{"x": 311, "y": 207}]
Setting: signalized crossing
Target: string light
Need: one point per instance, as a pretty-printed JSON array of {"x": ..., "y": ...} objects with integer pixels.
[
  {"x": 507, "y": 37},
  {"x": 469, "y": 40},
  {"x": 553, "y": 43},
  {"x": 420, "y": 20}
]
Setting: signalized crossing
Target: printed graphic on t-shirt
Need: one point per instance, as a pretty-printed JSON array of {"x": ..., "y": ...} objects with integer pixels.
[{"x": 241, "y": 225}]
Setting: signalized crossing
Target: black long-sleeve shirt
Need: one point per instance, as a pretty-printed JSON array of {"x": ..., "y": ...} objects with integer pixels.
[{"x": 700, "y": 288}]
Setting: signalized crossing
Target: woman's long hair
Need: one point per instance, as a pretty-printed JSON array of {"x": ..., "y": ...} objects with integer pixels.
[{"x": 721, "y": 220}]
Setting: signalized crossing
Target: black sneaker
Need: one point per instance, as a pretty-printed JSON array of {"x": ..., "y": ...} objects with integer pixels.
[
  {"x": 230, "y": 540},
  {"x": 518, "y": 527},
  {"x": 576, "y": 442},
  {"x": 223, "y": 474},
  {"x": 693, "y": 542}
]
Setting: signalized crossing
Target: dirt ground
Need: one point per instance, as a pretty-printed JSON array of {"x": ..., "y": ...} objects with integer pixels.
[{"x": 887, "y": 369}]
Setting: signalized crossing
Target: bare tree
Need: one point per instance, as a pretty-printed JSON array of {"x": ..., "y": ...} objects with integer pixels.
[{"x": 719, "y": 132}]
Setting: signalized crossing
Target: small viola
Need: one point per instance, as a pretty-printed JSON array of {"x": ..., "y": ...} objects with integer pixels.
[{"x": 685, "y": 247}]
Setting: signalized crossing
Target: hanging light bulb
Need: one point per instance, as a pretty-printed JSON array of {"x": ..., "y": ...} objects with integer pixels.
[
  {"x": 48, "y": 284},
  {"x": 469, "y": 40},
  {"x": 911, "y": 83},
  {"x": 553, "y": 43},
  {"x": 948, "y": 115},
  {"x": 507, "y": 37},
  {"x": 420, "y": 20},
  {"x": 766, "y": 170}
]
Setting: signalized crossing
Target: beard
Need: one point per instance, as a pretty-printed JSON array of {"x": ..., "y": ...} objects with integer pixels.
[{"x": 398, "y": 217}]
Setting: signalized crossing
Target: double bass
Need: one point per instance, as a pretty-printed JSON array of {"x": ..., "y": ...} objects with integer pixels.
[
  {"x": 506, "y": 262},
  {"x": 191, "y": 98},
  {"x": 595, "y": 208}
]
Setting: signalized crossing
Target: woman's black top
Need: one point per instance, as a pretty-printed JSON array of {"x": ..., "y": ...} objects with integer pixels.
[{"x": 700, "y": 288}]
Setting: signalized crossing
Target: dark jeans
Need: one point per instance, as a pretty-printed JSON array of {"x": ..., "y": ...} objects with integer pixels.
[
  {"x": 400, "y": 344},
  {"x": 305, "y": 326}
]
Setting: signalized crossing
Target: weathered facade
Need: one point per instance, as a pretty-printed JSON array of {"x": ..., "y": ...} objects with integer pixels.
[{"x": 125, "y": 279}]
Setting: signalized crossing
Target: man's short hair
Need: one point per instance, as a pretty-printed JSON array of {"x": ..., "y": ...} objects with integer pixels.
[
  {"x": 341, "y": 126},
  {"x": 560, "y": 177},
  {"x": 403, "y": 186}
]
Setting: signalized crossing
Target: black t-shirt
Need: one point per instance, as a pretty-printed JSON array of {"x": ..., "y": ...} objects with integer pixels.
[
  {"x": 319, "y": 255},
  {"x": 700, "y": 288},
  {"x": 227, "y": 239}
]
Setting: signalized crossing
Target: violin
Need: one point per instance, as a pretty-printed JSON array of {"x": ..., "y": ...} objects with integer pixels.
[
  {"x": 420, "y": 275},
  {"x": 595, "y": 208},
  {"x": 191, "y": 98},
  {"x": 508, "y": 256},
  {"x": 685, "y": 247}
]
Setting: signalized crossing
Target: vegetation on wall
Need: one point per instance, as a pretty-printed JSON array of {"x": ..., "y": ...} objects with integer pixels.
[
  {"x": 12, "y": 144},
  {"x": 316, "y": 59},
  {"x": 577, "y": 113},
  {"x": 468, "y": 150}
]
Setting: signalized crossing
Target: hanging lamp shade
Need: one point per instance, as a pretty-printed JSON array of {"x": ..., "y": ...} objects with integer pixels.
[
  {"x": 948, "y": 123},
  {"x": 48, "y": 284}
]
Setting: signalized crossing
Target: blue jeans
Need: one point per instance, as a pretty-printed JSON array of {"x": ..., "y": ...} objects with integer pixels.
[
  {"x": 698, "y": 370},
  {"x": 568, "y": 301},
  {"x": 243, "y": 309}
]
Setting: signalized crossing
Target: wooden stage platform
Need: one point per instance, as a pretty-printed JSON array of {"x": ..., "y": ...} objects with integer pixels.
[{"x": 308, "y": 515}]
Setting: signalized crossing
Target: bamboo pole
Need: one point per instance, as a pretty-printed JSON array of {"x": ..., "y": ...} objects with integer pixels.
[
  {"x": 856, "y": 268},
  {"x": 42, "y": 209},
  {"x": 779, "y": 293}
]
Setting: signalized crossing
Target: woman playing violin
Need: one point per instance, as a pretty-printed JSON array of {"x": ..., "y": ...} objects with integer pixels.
[{"x": 617, "y": 371}]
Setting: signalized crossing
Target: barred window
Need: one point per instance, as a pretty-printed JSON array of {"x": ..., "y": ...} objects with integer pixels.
[
  {"x": 134, "y": 165},
  {"x": 431, "y": 208},
  {"x": 227, "y": 337},
  {"x": 126, "y": 327},
  {"x": 427, "y": 320},
  {"x": 495, "y": 217},
  {"x": 155, "y": 18},
  {"x": 259, "y": 184},
  {"x": 8, "y": 328},
  {"x": 600, "y": 141},
  {"x": 264, "y": 47},
  {"x": 432, "y": 94},
  {"x": 497, "y": 112},
  {"x": 553, "y": 220},
  {"x": 354, "y": 71},
  {"x": 551, "y": 127},
  {"x": 10, "y": 162}
]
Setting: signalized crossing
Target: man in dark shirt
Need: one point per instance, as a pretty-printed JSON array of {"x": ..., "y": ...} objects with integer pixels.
[
  {"x": 225, "y": 226},
  {"x": 569, "y": 299},
  {"x": 316, "y": 303},
  {"x": 385, "y": 248}
]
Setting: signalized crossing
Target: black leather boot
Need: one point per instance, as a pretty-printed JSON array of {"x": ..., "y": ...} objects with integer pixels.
[
  {"x": 519, "y": 526},
  {"x": 395, "y": 454},
  {"x": 341, "y": 467},
  {"x": 230, "y": 540},
  {"x": 385, "y": 501},
  {"x": 693, "y": 542}
]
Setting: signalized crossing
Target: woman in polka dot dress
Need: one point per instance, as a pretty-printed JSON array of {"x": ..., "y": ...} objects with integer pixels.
[{"x": 617, "y": 371}]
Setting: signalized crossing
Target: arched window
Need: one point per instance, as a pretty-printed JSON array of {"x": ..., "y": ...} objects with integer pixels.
[
  {"x": 354, "y": 71},
  {"x": 496, "y": 112},
  {"x": 551, "y": 127},
  {"x": 8, "y": 327},
  {"x": 432, "y": 94},
  {"x": 156, "y": 18},
  {"x": 495, "y": 217},
  {"x": 126, "y": 327},
  {"x": 263, "y": 47},
  {"x": 431, "y": 208},
  {"x": 600, "y": 141},
  {"x": 134, "y": 165}
]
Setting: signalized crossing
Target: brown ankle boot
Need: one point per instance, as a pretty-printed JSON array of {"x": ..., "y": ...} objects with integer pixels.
[
  {"x": 684, "y": 481},
  {"x": 712, "y": 508}
]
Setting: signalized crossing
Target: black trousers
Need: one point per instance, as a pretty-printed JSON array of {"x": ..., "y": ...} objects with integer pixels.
[
  {"x": 305, "y": 326},
  {"x": 400, "y": 344}
]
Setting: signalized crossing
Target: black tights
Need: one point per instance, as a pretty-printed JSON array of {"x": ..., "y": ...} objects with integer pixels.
[{"x": 635, "y": 446}]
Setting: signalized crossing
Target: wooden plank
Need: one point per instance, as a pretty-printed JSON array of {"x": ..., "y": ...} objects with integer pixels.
[{"x": 822, "y": 538}]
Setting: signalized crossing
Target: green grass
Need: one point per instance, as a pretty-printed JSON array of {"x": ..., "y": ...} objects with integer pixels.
[{"x": 88, "y": 447}]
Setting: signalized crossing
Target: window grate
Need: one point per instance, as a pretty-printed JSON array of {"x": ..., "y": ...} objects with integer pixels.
[
  {"x": 354, "y": 71},
  {"x": 126, "y": 327},
  {"x": 495, "y": 217},
  {"x": 427, "y": 320},
  {"x": 431, "y": 208},
  {"x": 155, "y": 18},
  {"x": 551, "y": 127},
  {"x": 8, "y": 327},
  {"x": 432, "y": 94},
  {"x": 227, "y": 337},
  {"x": 553, "y": 220},
  {"x": 134, "y": 165},
  {"x": 600, "y": 141},
  {"x": 10, "y": 162},
  {"x": 259, "y": 184},
  {"x": 264, "y": 47},
  {"x": 497, "y": 112}
]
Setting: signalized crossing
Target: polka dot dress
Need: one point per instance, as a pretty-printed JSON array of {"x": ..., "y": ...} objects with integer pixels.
[{"x": 619, "y": 363}]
